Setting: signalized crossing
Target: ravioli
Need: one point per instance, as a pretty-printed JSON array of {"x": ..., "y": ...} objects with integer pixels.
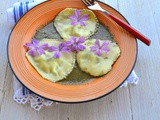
[
  {"x": 97, "y": 65},
  {"x": 50, "y": 68},
  {"x": 64, "y": 27}
]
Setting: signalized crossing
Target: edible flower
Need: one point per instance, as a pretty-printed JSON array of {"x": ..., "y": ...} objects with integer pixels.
[
  {"x": 76, "y": 44},
  {"x": 98, "y": 49},
  {"x": 62, "y": 47},
  {"x": 77, "y": 18},
  {"x": 35, "y": 48}
]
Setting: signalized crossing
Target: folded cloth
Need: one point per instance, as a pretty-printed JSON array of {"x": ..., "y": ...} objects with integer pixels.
[
  {"x": 21, "y": 94},
  {"x": 19, "y": 9}
]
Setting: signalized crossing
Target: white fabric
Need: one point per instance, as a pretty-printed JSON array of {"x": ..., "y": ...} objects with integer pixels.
[
  {"x": 132, "y": 79},
  {"x": 10, "y": 13},
  {"x": 35, "y": 101}
]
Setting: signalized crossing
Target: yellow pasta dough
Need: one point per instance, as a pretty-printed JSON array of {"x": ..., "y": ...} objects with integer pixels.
[
  {"x": 97, "y": 65},
  {"x": 63, "y": 25},
  {"x": 50, "y": 68}
]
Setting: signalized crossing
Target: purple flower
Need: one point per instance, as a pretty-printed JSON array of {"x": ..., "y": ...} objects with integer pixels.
[
  {"x": 62, "y": 47},
  {"x": 76, "y": 44},
  {"x": 77, "y": 18},
  {"x": 35, "y": 48},
  {"x": 98, "y": 49}
]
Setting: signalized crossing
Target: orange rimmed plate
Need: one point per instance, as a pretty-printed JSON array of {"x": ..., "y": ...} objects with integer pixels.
[{"x": 28, "y": 76}]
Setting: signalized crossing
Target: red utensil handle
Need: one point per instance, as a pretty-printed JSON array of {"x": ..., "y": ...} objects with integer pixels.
[{"x": 130, "y": 29}]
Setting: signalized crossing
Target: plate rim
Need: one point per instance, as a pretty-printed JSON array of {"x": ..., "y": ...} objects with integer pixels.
[{"x": 78, "y": 101}]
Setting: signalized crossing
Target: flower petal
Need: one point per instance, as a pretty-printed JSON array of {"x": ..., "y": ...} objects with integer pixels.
[
  {"x": 74, "y": 18},
  {"x": 35, "y": 42},
  {"x": 40, "y": 51},
  {"x": 74, "y": 48},
  {"x": 68, "y": 43},
  {"x": 44, "y": 46},
  {"x": 81, "y": 39},
  {"x": 105, "y": 44},
  {"x": 97, "y": 43},
  {"x": 84, "y": 17},
  {"x": 57, "y": 54},
  {"x": 94, "y": 48},
  {"x": 65, "y": 49},
  {"x": 82, "y": 23},
  {"x": 77, "y": 13},
  {"x": 98, "y": 52},
  {"x": 74, "y": 39},
  {"x": 52, "y": 48},
  {"x": 61, "y": 45},
  {"x": 105, "y": 50},
  {"x": 81, "y": 47},
  {"x": 32, "y": 52},
  {"x": 74, "y": 23}
]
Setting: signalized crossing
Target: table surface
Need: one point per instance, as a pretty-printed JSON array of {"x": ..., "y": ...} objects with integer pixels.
[{"x": 139, "y": 102}]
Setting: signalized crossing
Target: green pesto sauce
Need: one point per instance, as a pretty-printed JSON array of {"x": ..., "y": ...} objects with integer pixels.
[{"x": 76, "y": 76}]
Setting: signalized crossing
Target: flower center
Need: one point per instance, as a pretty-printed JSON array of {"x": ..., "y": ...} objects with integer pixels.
[
  {"x": 60, "y": 48},
  {"x": 36, "y": 47},
  {"x": 79, "y": 18}
]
